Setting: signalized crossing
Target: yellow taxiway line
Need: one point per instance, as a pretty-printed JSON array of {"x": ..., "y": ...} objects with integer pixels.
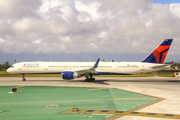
[
  {"x": 19, "y": 86},
  {"x": 121, "y": 113},
  {"x": 137, "y": 98},
  {"x": 97, "y": 89}
]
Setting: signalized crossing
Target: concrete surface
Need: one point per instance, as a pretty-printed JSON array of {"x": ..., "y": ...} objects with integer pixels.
[{"x": 163, "y": 87}]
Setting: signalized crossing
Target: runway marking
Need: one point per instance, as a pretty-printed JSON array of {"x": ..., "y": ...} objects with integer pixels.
[
  {"x": 94, "y": 89},
  {"x": 137, "y": 98},
  {"x": 158, "y": 100},
  {"x": 18, "y": 86},
  {"x": 65, "y": 101},
  {"x": 115, "y": 117},
  {"x": 121, "y": 113},
  {"x": 97, "y": 89},
  {"x": 52, "y": 106},
  {"x": 131, "y": 111}
]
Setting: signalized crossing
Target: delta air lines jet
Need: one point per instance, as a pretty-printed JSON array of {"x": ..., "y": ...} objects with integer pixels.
[{"x": 71, "y": 70}]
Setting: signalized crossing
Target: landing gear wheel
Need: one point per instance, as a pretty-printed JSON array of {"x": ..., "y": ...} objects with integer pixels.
[
  {"x": 90, "y": 80},
  {"x": 87, "y": 80},
  {"x": 23, "y": 77}
]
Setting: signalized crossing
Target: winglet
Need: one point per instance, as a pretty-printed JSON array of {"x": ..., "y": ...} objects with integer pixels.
[{"x": 96, "y": 64}]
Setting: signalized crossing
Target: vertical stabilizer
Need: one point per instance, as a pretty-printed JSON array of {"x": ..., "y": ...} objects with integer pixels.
[{"x": 159, "y": 54}]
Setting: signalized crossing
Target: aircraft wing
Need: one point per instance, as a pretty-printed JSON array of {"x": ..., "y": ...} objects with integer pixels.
[
  {"x": 88, "y": 70},
  {"x": 84, "y": 71}
]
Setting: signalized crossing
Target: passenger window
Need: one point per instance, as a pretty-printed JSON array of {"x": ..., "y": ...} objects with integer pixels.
[{"x": 176, "y": 73}]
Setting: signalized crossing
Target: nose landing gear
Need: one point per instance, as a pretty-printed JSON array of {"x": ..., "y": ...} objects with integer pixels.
[{"x": 23, "y": 77}]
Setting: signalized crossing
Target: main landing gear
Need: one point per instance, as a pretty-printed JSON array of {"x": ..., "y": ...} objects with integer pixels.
[
  {"x": 91, "y": 79},
  {"x": 23, "y": 77}
]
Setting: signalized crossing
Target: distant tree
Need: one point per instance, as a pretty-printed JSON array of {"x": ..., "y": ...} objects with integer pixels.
[
  {"x": 6, "y": 65},
  {"x": 15, "y": 61},
  {"x": 173, "y": 66},
  {"x": 172, "y": 62},
  {"x": 178, "y": 64}
]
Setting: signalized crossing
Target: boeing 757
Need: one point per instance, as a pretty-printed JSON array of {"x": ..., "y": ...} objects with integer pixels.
[{"x": 71, "y": 70}]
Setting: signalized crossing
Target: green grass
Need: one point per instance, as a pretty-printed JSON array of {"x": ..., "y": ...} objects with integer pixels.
[
  {"x": 160, "y": 74},
  {"x": 165, "y": 74}
]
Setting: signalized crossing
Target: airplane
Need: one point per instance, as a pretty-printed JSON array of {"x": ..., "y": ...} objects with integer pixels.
[{"x": 71, "y": 70}]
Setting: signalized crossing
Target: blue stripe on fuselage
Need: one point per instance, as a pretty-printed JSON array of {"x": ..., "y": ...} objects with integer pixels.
[{"x": 109, "y": 73}]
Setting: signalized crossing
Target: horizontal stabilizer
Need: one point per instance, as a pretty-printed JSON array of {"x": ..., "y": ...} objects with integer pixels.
[{"x": 162, "y": 66}]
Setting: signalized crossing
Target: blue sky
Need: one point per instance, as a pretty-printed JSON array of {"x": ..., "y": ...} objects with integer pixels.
[
  {"x": 84, "y": 57},
  {"x": 166, "y": 1}
]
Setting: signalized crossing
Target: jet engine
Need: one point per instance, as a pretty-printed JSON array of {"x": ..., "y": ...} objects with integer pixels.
[{"x": 68, "y": 75}]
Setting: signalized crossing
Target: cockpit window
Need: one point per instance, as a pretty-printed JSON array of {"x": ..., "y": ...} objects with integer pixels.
[{"x": 12, "y": 66}]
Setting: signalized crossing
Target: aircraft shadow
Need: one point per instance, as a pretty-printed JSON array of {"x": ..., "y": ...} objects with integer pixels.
[
  {"x": 103, "y": 81},
  {"x": 71, "y": 81},
  {"x": 112, "y": 80}
]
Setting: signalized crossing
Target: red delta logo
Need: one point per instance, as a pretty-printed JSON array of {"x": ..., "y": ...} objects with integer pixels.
[
  {"x": 24, "y": 65},
  {"x": 160, "y": 53}
]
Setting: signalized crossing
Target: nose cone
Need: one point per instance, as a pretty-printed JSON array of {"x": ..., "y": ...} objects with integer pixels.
[{"x": 8, "y": 70}]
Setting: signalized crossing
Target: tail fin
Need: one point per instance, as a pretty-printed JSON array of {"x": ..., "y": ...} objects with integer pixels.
[{"x": 159, "y": 54}]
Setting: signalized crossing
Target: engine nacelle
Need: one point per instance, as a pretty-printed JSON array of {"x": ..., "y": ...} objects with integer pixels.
[{"x": 68, "y": 75}]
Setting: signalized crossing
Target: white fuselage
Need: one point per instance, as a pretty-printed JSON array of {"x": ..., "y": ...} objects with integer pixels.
[
  {"x": 71, "y": 70},
  {"x": 121, "y": 68}
]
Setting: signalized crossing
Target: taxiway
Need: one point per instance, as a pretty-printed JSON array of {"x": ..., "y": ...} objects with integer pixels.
[{"x": 162, "y": 87}]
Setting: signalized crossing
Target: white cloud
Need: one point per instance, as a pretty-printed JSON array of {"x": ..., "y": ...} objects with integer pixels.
[
  {"x": 102, "y": 34},
  {"x": 38, "y": 41},
  {"x": 175, "y": 9},
  {"x": 2, "y": 41},
  {"x": 91, "y": 8},
  {"x": 15, "y": 9},
  {"x": 76, "y": 26}
]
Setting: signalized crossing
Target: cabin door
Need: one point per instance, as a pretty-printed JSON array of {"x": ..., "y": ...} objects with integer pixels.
[
  {"x": 116, "y": 67},
  {"x": 45, "y": 67},
  {"x": 19, "y": 68},
  {"x": 142, "y": 68}
]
